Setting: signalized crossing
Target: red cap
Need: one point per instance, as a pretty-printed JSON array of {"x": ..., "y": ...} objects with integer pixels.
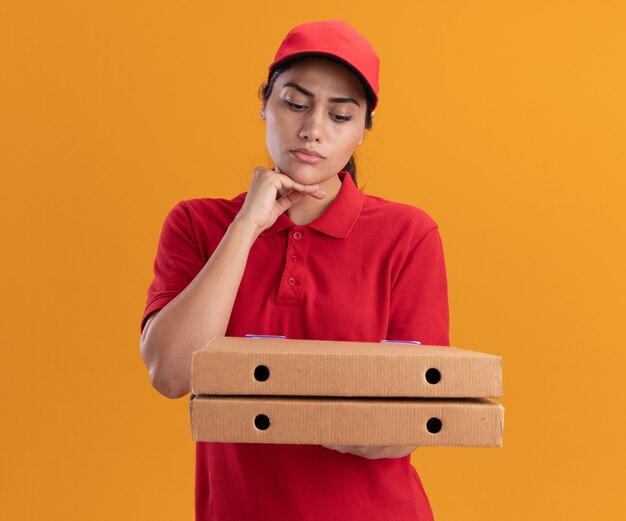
[{"x": 334, "y": 39}]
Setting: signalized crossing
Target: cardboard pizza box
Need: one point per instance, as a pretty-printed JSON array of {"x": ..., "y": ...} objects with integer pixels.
[
  {"x": 344, "y": 421},
  {"x": 274, "y": 366}
]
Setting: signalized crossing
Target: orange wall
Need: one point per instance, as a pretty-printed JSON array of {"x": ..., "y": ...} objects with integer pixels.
[{"x": 505, "y": 121}]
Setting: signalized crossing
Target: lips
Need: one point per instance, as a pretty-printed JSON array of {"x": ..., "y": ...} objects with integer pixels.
[
  {"x": 307, "y": 156},
  {"x": 309, "y": 152}
]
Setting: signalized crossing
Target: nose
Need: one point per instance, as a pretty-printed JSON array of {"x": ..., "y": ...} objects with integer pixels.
[{"x": 312, "y": 128}]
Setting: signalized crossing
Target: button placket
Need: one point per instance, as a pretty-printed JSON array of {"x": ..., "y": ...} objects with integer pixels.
[{"x": 291, "y": 285}]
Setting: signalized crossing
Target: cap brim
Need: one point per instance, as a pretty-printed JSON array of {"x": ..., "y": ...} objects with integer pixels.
[{"x": 369, "y": 92}]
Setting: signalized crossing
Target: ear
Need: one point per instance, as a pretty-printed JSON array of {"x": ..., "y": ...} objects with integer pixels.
[
  {"x": 262, "y": 114},
  {"x": 362, "y": 136},
  {"x": 365, "y": 130}
]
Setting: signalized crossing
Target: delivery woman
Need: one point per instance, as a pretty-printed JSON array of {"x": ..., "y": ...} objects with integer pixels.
[{"x": 305, "y": 254}]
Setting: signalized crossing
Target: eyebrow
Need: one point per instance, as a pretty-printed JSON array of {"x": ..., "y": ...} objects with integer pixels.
[{"x": 311, "y": 95}]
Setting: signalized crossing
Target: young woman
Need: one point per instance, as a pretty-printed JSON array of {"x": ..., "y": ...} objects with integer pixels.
[{"x": 304, "y": 254}]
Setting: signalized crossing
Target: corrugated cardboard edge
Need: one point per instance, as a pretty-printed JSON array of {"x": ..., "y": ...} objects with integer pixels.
[
  {"x": 230, "y": 344},
  {"x": 301, "y": 420},
  {"x": 225, "y": 348}
]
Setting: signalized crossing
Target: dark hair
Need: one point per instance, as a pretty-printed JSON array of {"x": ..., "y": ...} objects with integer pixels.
[{"x": 266, "y": 89}]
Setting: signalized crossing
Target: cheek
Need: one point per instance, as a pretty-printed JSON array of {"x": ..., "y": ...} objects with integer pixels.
[
  {"x": 276, "y": 142},
  {"x": 347, "y": 142},
  {"x": 276, "y": 130},
  {"x": 272, "y": 136}
]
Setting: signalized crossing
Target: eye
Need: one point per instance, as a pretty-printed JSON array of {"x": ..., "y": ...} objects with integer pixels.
[
  {"x": 340, "y": 118},
  {"x": 294, "y": 106}
]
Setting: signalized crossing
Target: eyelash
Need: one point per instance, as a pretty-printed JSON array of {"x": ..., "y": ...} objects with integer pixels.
[{"x": 336, "y": 117}]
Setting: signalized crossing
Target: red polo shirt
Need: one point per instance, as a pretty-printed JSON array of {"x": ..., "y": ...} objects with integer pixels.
[{"x": 365, "y": 270}]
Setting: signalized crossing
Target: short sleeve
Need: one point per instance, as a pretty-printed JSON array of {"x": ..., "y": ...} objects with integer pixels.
[
  {"x": 419, "y": 297},
  {"x": 177, "y": 261}
]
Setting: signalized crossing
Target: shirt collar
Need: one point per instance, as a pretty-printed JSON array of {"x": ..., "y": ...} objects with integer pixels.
[{"x": 338, "y": 219}]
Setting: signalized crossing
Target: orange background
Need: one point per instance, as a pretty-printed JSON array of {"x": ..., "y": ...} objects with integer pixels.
[{"x": 506, "y": 121}]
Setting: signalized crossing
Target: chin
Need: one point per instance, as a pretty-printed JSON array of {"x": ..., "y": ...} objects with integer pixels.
[{"x": 308, "y": 174}]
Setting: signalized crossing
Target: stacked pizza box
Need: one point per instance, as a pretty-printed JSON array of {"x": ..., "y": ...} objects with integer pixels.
[{"x": 274, "y": 390}]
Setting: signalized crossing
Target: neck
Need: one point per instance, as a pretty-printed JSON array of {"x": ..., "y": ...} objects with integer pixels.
[{"x": 310, "y": 208}]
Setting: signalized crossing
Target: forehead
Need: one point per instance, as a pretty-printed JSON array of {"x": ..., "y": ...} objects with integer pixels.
[{"x": 324, "y": 77}]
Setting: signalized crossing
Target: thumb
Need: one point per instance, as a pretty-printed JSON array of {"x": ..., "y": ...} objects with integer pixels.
[{"x": 288, "y": 200}]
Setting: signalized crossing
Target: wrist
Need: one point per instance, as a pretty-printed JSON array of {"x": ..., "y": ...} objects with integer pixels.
[{"x": 244, "y": 229}]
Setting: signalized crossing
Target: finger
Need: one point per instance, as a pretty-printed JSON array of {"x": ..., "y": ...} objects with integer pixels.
[
  {"x": 344, "y": 449},
  {"x": 289, "y": 199},
  {"x": 311, "y": 190},
  {"x": 286, "y": 182},
  {"x": 320, "y": 194}
]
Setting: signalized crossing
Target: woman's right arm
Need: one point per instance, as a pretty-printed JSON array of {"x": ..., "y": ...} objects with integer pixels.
[{"x": 202, "y": 310}]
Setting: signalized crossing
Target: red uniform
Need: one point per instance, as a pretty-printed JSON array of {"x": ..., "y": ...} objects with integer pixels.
[{"x": 366, "y": 270}]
